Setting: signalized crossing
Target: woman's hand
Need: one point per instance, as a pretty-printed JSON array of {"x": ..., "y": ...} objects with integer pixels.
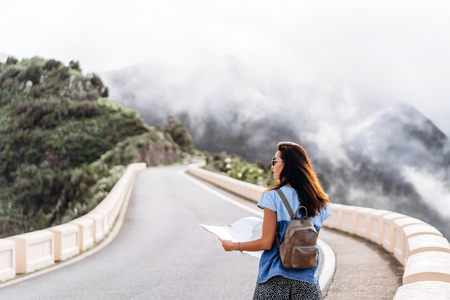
[
  {"x": 265, "y": 242},
  {"x": 228, "y": 245}
]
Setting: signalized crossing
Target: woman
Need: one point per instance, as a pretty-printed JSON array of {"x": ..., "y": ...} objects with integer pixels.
[{"x": 299, "y": 183}]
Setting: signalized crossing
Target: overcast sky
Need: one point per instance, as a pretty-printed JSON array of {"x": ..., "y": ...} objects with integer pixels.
[{"x": 393, "y": 49}]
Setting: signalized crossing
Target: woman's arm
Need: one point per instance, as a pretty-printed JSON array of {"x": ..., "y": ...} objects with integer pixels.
[{"x": 264, "y": 243}]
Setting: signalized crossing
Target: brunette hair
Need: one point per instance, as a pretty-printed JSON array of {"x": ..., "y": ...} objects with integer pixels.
[{"x": 299, "y": 173}]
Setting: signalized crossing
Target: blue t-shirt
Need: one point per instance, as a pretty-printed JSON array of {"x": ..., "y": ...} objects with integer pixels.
[{"x": 270, "y": 262}]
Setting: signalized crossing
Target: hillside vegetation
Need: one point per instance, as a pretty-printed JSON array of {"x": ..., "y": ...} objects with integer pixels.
[
  {"x": 236, "y": 167},
  {"x": 63, "y": 144}
]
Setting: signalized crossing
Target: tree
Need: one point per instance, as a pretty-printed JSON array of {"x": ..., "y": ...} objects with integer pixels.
[
  {"x": 75, "y": 65},
  {"x": 50, "y": 64},
  {"x": 105, "y": 93},
  {"x": 11, "y": 60}
]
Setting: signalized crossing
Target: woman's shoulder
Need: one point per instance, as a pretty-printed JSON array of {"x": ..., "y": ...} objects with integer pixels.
[
  {"x": 285, "y": 189},
  {"x": 268, "y": 200},
  {"x": 269, "y": 194}
]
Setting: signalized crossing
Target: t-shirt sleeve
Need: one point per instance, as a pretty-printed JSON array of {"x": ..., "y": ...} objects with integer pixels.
[
  {"x": 324, "y": 214},
  {"x": 267, "y": 200}
]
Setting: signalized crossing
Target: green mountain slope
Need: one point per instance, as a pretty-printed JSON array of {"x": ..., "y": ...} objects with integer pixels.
[{"x": 63, "y": 145}]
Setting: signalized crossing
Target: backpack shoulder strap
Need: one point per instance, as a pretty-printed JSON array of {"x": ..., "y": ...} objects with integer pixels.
[{"x": 286, "y": 203}]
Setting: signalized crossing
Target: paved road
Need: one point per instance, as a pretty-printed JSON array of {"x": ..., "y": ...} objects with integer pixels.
[
  {"x": 364, "y": 269},
  {"x": 161, "y": 252}
]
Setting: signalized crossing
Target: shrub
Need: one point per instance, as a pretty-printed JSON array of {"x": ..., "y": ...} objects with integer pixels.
[
  {"x": 8, "y": 83},
  {"x": 33, "y": 73},
  {"x": 92, "y": 95},
  {"x": 11, "y": 72},
  {"x": 74, "y": 65},
  {"x": 52, "y": 64},
  {"x": 63, "y": 73},
  {"x": 11, "y": 61},
  {"x": 96, "y": 81},
  {"x": 43, "y": 112},
  {"x": 83, "y": 109},
  {"x": 236, "y": 167},
  {"x": 36, "y": 91},
  {"x": 105, "y": 92}
]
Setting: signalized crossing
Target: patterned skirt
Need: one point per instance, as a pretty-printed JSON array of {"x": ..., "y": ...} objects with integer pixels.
[{"x": 279, "y": 287}]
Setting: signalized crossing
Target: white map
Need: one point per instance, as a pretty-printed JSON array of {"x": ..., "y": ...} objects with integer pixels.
[{"x": 246, "y": 229}]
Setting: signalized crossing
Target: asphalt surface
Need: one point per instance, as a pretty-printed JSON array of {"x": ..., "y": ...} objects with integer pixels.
[
  {"x": 364, "y": 269},
  {"x": 161, "y": 252}
]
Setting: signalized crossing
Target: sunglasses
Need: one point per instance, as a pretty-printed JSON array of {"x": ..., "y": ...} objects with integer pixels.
[{"x": 274, "y": 161}]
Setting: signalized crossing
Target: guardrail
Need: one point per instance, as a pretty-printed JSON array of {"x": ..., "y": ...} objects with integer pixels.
[
  {"x": 35, "y": 250},
  {"x": 418, "y": 246}
]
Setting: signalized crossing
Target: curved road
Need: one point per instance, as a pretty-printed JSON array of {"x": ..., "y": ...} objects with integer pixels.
[{"x": 161, "y": 252}]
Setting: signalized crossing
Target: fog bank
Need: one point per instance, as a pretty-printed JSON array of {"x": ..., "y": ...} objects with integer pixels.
[{"x": 369, "y": 150}]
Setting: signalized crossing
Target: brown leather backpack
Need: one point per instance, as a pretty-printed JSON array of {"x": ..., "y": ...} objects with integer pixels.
[{"x": 299, "y": 248}]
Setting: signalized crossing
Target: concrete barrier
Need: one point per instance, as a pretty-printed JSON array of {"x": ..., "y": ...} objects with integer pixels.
[
  {"x": 99, "y": 225},
  {"x": 108, "y": 210},
  {"x": 417, "y": 230},
  {"x": 418, "y": 246},
  {"x": 241, "y": 188},
  {"x": 112, "y": 203},
  {"x": 427, "y": 266},
  {"x": 86, "y": 229},
  {"x": 335, "y": 221},
  {"x": 428, "y": 242},
  {"x": 349, "y": 218},
  {"x": 34, "y": 250},
  {"x": 435, "y": 290},
  {"x": 7, "y": 259},
  {"x": 114, "y": 199},
  {"x": 376, "y": 225},
  {"x": 108, "y": 214},
  {"x": 66, "y": 241},
  {"x": 398, "y": 238},
  {"x": 388, "y": 230},
  {"x": 363, "y": 224}
]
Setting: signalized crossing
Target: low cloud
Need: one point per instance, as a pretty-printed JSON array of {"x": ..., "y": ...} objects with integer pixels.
[
  {"x": 435, "y": 192},
  {"x": 359, "y": 143}
]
